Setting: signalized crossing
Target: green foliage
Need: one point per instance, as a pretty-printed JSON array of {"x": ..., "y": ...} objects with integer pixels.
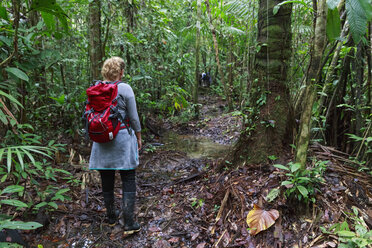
[
  {"x": 356, "y": 235},
  {"x": 359, "y": 12},
  {"x": 302, "y": 184}
]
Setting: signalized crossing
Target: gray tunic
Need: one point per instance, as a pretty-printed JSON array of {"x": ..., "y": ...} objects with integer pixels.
[{"x": 122, "y": 152}]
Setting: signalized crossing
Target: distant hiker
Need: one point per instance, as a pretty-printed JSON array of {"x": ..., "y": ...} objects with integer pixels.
[
  {"x": 206, "y": 79},
  {"x": 120, "y": 152}
]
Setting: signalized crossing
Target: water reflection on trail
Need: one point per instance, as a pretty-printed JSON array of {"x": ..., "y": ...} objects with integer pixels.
[{"x": 194, "y": 146}]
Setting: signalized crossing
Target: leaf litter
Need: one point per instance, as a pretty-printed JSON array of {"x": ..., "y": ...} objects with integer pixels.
[{"x": 187, "y": 202}]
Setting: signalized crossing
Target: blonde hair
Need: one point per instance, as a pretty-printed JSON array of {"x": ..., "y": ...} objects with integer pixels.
[{"x": 112, "y": 67}]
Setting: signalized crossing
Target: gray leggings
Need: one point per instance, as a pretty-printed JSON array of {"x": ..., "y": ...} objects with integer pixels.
[{"x": 128, "y": 179}]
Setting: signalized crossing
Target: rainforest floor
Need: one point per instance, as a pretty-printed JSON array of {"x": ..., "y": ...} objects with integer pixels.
[{"x": 189, "y": 196}]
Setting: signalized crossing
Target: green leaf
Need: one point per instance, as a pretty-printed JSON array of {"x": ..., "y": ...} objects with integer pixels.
[
  {"x": 18, "y": 73},
  {"x": 357, "y": 19},
  {"x": 303, "y": 190},
  {"x": 10, "y": 245},
  {"x": 346, "y": 234},
  {"x": 12, "y": 189},
  {"x": 333, "y": 24},
  {"x": 332, "y": 4},
  {"x": 51, "y": 7},
  {"x": 295, "y": 167},
  {"x": 20, "y": 157},
  {"x": 367, "y": 6},
  {"x": 48, "y": 20},
  {"x": 19, "y": 225},
  {"x": 279, "y": 166},
  {"x": 11, "y": 98},
  {"x": 61, "y": 191},
  {"x": 273, "y": 194},
  {"x": 53, "y": 204},
  {"x": 15, "y": 203},
  {"x": 9, "y": 160},
  {"x": 286, "y": 183},
  {"x": 3, "y": 13}
]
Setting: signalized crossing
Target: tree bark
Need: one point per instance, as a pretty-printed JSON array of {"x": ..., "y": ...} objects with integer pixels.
[
  {"x": 95, "y": 42},
  {"x": 312, "y": 77},
  {"x": 270, "y": 94}
]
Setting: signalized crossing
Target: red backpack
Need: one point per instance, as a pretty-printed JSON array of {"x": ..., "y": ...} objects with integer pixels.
[{"x": 102, "y": 118}]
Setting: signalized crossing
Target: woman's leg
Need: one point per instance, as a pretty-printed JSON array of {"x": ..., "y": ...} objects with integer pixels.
[
  {"x": 128, "y": 178},
  {"x": 108, "y": 182}
]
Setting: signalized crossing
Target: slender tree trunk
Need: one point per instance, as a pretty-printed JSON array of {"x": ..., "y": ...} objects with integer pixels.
[
  {"x": 95, "y": 43},
  {"x": 369, "y": 59},
  {"x": 331, "y": 69},
  {"x": 231, "y": 65},
  {"x": 226, "y": 88},
  {"x": 312, "y": 77},
  {"x": 197, "y": 56},
  {"x": 269, "y": 92}
]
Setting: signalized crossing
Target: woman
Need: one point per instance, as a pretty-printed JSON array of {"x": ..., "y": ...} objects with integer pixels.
[{"x": 122, "y": 152}]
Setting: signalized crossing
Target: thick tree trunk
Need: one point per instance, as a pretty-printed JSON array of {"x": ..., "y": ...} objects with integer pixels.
[
  {"x": 222, "y": 77},
  {"x": 270, "y": 93},
  {"x": 95, "y": 43},
  {"x": 312, "y": 77}
]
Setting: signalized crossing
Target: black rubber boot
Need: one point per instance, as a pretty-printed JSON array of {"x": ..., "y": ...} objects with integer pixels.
[
  {"x": 108, "y": 198},
  {"x": 130, "y": 226}
]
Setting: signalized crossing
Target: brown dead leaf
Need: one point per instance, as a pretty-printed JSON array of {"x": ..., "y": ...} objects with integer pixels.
[
  {"x": 259, "y": 220},
  {"x": 201, "y": 245}
]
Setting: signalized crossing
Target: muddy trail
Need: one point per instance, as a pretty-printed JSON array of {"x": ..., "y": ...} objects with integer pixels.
[
  {"x": 188, "y": 196},
  {"x": 176, "y": 201}
]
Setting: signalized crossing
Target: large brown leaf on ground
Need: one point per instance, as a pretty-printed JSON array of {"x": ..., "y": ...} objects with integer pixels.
[{"x": 259, "y": 220}]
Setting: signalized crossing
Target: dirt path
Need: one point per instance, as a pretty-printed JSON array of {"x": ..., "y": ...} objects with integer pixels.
[{"x": 176, "y": 201}]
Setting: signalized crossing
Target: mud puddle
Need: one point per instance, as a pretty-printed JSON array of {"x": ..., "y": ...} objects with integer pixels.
[{"x": 194, "y": 146}]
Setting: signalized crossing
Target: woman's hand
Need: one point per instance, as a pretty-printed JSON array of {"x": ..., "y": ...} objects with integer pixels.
[{"x": 139, "y": 140}]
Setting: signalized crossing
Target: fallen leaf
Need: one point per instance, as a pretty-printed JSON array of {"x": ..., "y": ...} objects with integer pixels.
[
  {"x": 259, "y": 220},
  {"x": 201, "y": 245}
]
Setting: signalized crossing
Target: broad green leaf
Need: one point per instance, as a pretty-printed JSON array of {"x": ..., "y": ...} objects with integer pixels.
[
  {"x": 48, "y": 20},
  {"x": 19, "y": 225},
  {"x": 18, "y": 73},
  {"x": 295, "y": 167},
  {"x": 51, "y": 7},
  {"x": 273, "y": 194},
  {"x": 332, "y": 4},
  {"x": 347, "y": 234},
  {"x": 3, "y": 13},
  {"x": 12, "y": 189},
  {"x": 15, "y": 203},
  {"x": 333, "y": 24},
  {"x": 279, "y": 166},
  {"x": 286, "y": 183},
  {"x": 60, "y": 100},
  {"x": 367, "y": 6},
  {"x": 303, "y": 190},
  {"x": 53, "y": 204},
  {"x": 357, "y": 19},
  {"x": 41, "y": 204}
]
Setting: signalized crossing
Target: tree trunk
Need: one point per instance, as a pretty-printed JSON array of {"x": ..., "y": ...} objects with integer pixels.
[
  {"x": 270, "y": 93},
  {"x": 197, "y": 55},
  {"x": 226, "y": 88},
  {"x": 312, "y": 77},
  {"x": 95, "y": 43}
]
